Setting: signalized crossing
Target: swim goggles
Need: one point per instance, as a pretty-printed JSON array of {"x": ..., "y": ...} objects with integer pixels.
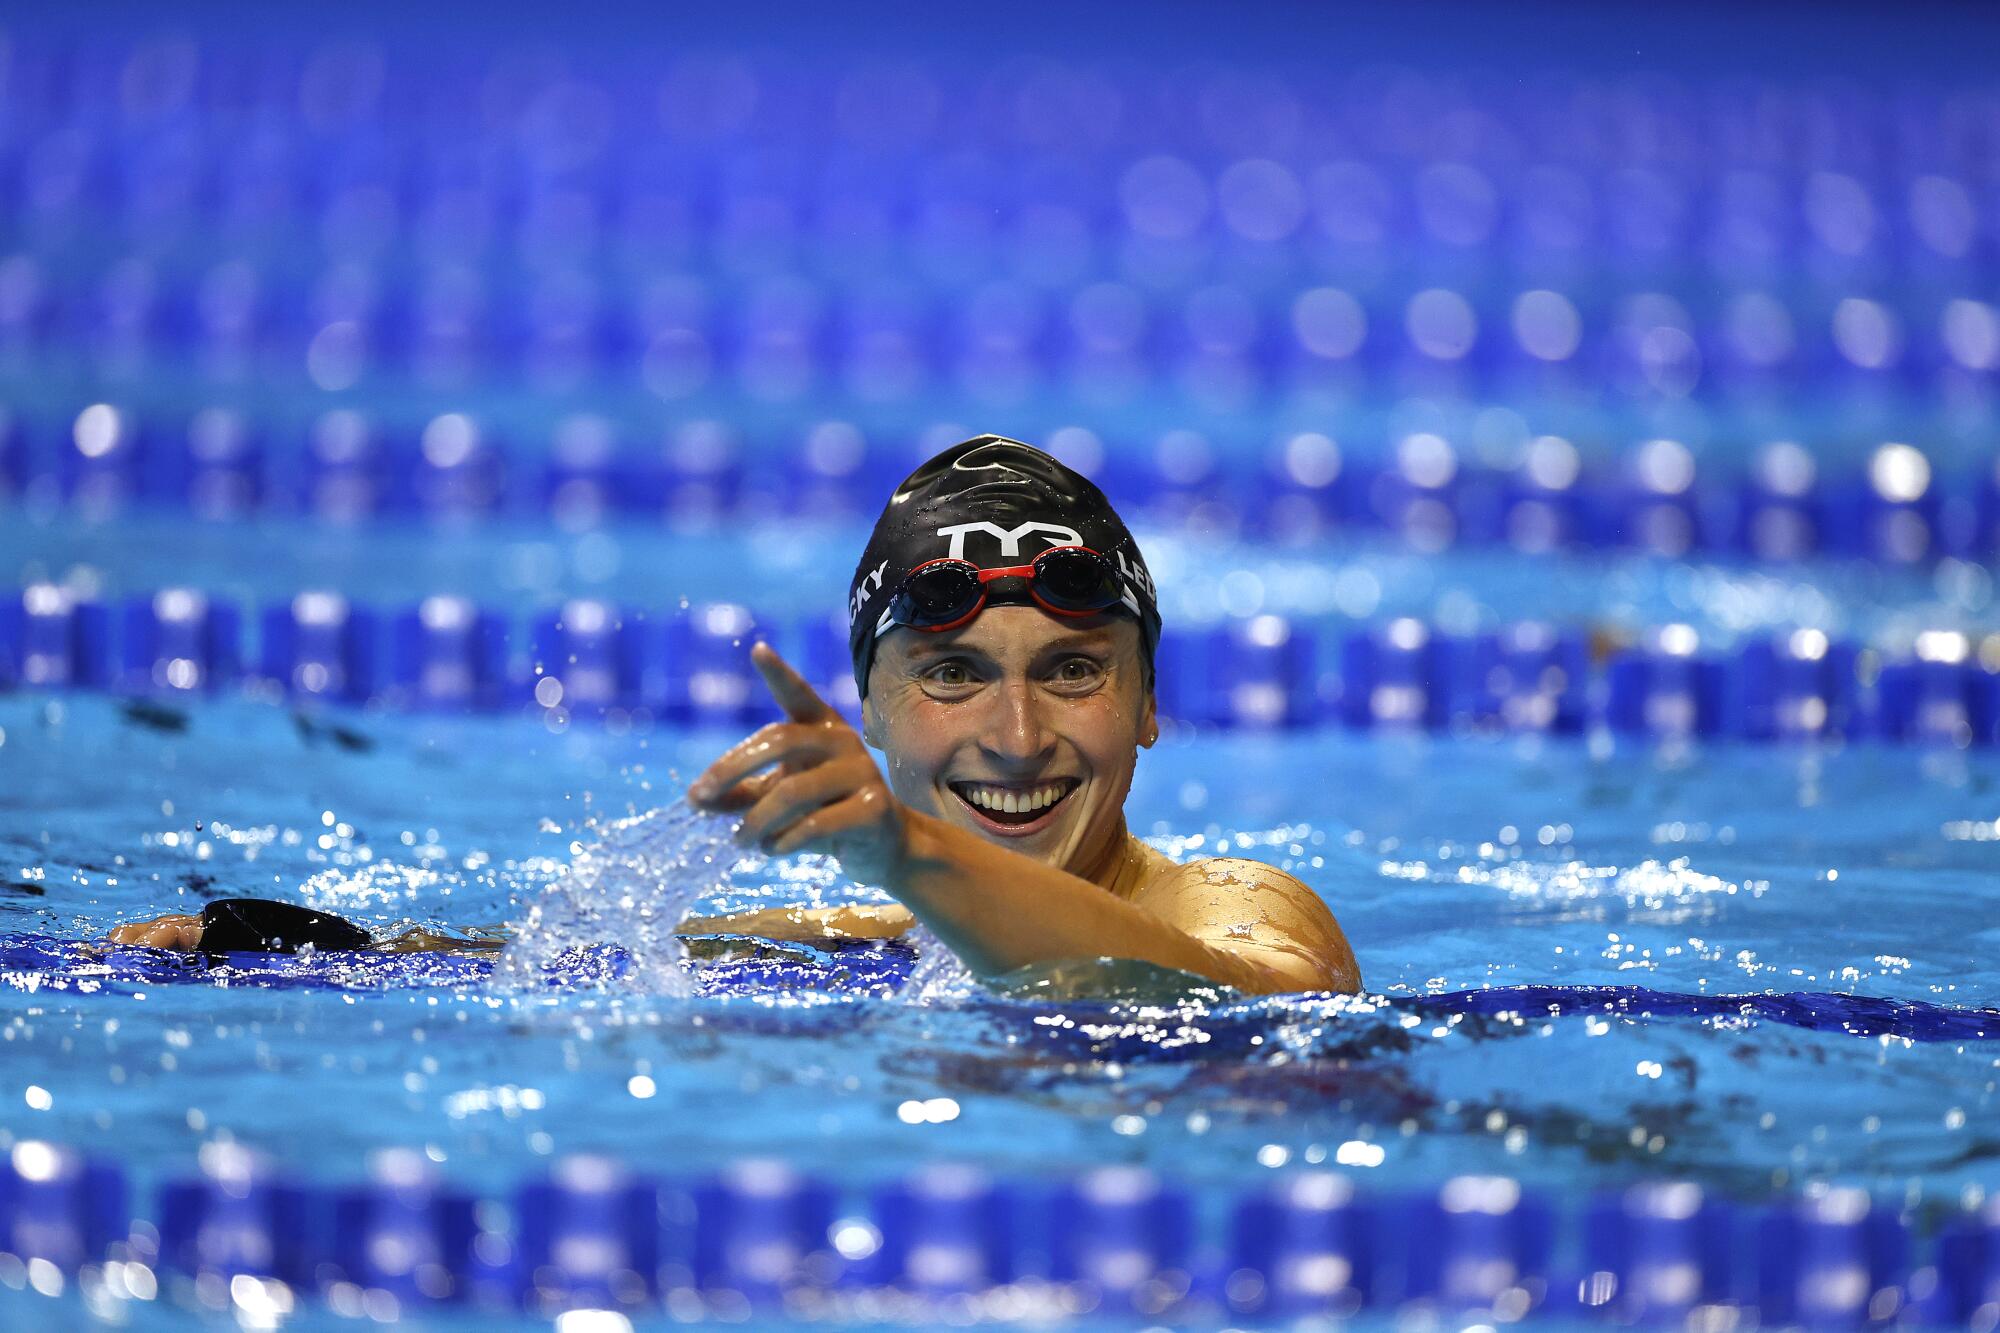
[{"x": 940, "y": 595}]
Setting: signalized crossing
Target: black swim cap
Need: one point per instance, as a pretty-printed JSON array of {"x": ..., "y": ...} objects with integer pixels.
[
  {"x": 995, "y": 502},
  {"x": 258, "y": 925}
]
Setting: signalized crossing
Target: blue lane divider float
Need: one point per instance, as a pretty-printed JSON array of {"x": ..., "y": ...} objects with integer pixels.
[
  {"x": 759, "y": 1227},
  {"x": 1125, "y": 1235},
  {"x": 1307, "y": 1244},
  {"x": 405, "y": 1233},
  {"x": 1765, "y": 174},
  {"x": 179, "y": 640},
  {"x": 941, "y": 1230},
  {"x": 1817, "y": 232},
  {"x": 1663, "y": 1249},
  {"x": 587, "y": 1235},
  {"x": 689, "y": 666},
  {"x": 1665, "y": 687},
  {"x": 60, "y": 1206},
  {"x": 1750, "y": 259},
  {"x": 347, "y": 466},
  {"x": 237, "y": 1218},
  {"x": 321, "y": 646},
  {"x": 590, "y": 1233}
]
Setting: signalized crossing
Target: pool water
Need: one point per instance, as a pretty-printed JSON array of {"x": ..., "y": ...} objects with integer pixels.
[
  {"x": 1590, "y": 961},
  {"x": 1456, "y": 866}
]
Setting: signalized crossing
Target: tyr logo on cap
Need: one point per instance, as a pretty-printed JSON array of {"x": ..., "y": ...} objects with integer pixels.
[{"x": 1009, "y": 538}]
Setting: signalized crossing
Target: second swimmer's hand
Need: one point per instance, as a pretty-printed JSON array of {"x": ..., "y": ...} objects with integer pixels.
[
  {"x": 174, "y": 931},
  {"x": 807, "y": 783}
]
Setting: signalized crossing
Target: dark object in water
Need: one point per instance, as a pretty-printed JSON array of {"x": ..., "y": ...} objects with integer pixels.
[
  {"x": 23, "y": 887},
  {"x": 312, "y": 731},
  {"x": 258, "y": 925},
  {"x": 153, "y": 716},
  {"x": 1856, "y": 1015}
]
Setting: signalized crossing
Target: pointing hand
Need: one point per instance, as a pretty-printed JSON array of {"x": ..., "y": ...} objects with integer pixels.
[{"x": 807, "y": 783}]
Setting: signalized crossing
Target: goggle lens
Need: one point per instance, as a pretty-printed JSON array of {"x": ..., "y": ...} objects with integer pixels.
[
  {"x": 943, "y": 593},
  {"x": 1070, "y": 579},
  {"x": 937, "y": 595}
]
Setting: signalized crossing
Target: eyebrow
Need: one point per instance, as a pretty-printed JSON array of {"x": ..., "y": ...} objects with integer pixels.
[
  {"x": 933, "y": 648},
  {"x": 1090, "y": 638},
  {"x": 929, "y": 648}
]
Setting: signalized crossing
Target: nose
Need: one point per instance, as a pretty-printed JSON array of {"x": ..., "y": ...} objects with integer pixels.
[{"x": 1017, "y": 736}]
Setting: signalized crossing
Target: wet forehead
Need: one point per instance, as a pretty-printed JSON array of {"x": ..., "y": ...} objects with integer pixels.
[{"x": 1008, "y": 633}]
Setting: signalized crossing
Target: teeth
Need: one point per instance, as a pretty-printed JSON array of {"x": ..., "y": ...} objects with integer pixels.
[{"x": 1004, "y": 801}]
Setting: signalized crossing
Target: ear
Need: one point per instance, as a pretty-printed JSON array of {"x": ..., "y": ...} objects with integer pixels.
[
  {"x": 1149, "y": 723},
  {"x": 871, "y": 722}
]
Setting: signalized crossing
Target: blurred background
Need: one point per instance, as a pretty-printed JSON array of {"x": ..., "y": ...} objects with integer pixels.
[{"x": 506, "y": 303}]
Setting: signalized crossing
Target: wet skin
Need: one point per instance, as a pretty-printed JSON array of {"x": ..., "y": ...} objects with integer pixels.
[
  {"x": 1017, "y": 703},
  {"x": 173, "y": 931},
  {"x": 1018, "y": 708}
]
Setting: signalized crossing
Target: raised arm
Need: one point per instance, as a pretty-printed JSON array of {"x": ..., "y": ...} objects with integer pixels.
[
  {"x": 999, "y": 911},
  {"x": 809, "y": 783}
]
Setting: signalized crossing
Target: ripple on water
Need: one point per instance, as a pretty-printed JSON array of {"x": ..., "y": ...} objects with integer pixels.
[{"x": 1654, "y": 885}]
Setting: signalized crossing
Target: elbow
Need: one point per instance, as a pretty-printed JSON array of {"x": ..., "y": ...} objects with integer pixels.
[
  {"x": 1341, "y": 975},
  {"x": 1341, "y": 978}
]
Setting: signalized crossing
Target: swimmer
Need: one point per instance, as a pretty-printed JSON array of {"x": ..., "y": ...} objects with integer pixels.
[
  {"x": 1003, "y": 628},
  {"x": 260, "y": 925}
]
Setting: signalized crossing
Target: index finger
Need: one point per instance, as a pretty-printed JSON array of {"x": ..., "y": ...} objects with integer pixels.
[
  {"x": 799, "y": 700},
  {"x": 799, "y": 744}
]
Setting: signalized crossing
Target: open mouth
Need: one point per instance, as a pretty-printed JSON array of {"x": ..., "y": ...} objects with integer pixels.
[{"x": 1015, "y": 807}]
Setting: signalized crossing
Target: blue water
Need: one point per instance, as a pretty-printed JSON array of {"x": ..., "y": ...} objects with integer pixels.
[{"x": 1455, "y": 866}]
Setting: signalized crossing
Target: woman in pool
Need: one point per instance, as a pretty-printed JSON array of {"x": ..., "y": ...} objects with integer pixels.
[{"x": 1003, "y": 627}]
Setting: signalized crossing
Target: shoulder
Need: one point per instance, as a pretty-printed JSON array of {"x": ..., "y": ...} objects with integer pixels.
[
  {"x": 1249, "y": 906},
  {"x": 1223, "y": 873},
  {"x": 1236, "y": 889}
]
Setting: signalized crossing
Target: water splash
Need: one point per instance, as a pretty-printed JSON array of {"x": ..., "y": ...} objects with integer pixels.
[
  {"x": 613, "y": 913},
  {"x": 938, "y": 975}
]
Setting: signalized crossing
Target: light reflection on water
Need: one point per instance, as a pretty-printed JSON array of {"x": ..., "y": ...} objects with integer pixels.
[{"x": 1454, "y": 865}]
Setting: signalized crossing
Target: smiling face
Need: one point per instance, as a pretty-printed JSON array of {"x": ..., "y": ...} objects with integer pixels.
[{"x": 1021, "y": 727}]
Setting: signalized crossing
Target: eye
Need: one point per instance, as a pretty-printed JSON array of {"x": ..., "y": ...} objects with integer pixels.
[
  {"x": 1077, "y": 671},
  {"x": 949, "y": 678}
]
